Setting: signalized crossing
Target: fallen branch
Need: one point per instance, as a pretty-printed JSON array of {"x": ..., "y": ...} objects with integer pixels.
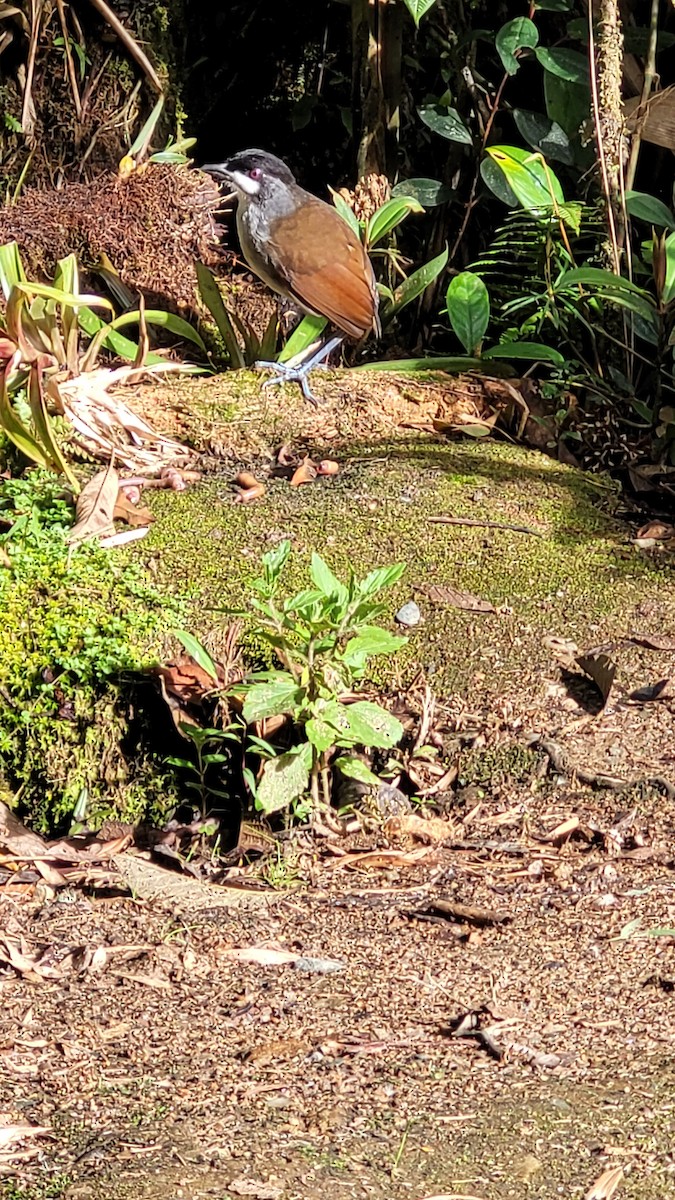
[{"x": 485, "y": 525}]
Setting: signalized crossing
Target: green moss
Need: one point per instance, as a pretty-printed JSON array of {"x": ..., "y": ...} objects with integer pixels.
[
  {"x": 77, "y": 626},
  {"x": 580, "y": 572},
  {"x": 498, "y": 765}
]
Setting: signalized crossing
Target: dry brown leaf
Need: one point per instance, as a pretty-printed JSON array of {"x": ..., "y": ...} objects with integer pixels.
[
  {"x": 601, "y": 669},
  {"x": 305, "y": 473},
  {"x": 653, "y": 641},
  {"x": 124, "y": 537},
  {"x": 466, "y": 600},
  {"x": 95, "y": 507},
  {"x": 381, "y": 859},
  {"x": 16, "y": 1133},
  {"x": 606, "y": 1184},
  {"x": 126, "y": 510},
  {"x": 563, "y": 831},
  {"x": 263, "y": 956},
  {"x": 659, "y": 531},
  {"x": 432, "y": 829}
]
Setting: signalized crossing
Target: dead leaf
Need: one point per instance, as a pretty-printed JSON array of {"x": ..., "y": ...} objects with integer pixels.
[
  {"x": 381, "y": 859},
  {"x": 606, "y": 1184},
  {"x": 663, "y": 690},
  {"x": 263, "y": 956},
  {"x": 16, "y": 1133},
  {"x": 278, "y": 1048},
  {"x": 255, "y": 1188},
  {"x": 95, "y": 507},
  {"x": 126, "y": 510},
  {"x": 563, "y": 832},
  {"x": 124, "y": 537},
  {"x": 470, "y": 913},
  {"x": 305, "y": 473},
  {"x": 653, "y": 641},
  {"x": 601, "y": 669},
  {"x": 564, "y": 650},
  {"x": 24, "y": 846},
  {"x": 657, "y": 530},
  {"x": 433, "y": 829},
  {"x": 466, "y": 600}
]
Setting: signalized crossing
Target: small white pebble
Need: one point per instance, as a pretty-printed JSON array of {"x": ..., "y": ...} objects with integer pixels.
[{"x": 409, "y": 614}]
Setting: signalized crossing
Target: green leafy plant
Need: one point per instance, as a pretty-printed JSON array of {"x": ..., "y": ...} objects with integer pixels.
[
  {"x": 40, "y": 337},
  {"x": 207, "y": 756},
  {"x": 324, "y": 637}
]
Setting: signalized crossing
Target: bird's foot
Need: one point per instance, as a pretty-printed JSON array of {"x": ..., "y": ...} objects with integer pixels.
[
  {"x": 285, "y": 373},
  {"x": 297, "y": 372}
]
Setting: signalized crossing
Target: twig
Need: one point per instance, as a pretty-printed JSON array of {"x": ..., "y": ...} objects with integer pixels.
[
  {"x": 70, "y": 65},
  {"x": 647, "y": 84},
  {"x": 485, "y": 525},
  {"x": 130, "y": 42},
  {"x": 28, "y": 108}
]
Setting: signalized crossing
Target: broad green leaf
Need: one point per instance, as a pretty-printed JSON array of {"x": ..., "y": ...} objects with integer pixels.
[
  {"x": 212, "y": 297},
  {"x": 388, "y": 216},
  {"x": 429, "y": 192},
  {"x": 117, "y": 342},
  {"x": 271, "y": 699},
  {"x": 355, "y": 768},
  {"x": 528, "y": 175},
  {"x": 198, "y": 652},
  {"x": 544, "y": 135},
  {"x": 468, "y": 309},
  {"x": 598, "y": 278},
  {"x": 495, "y": 179},
  {"x": 53, "y": 293},
  {"x": 568, "y": 104},
  {"x": 519, "y": 34},
  {"x": 669, "y": 286},
  {"x": 368, "y": 642},
  {"x": 308, "y": 331},
  {"x": 650, "y": 209},
  {"x": 529, "y": 350},
  {"x": 11, "y": 268},
  {"x": 320, "y": 734},
  {"x": 16, "y": 431},
  {"x": 43, "y": 427},
  {"x": 559, "y": 6},
  {"x": 324, "y": 579},
  {"x": 417, "y": 8},
  {"x": 371, "y": 725},
  {"x": 141, "y": 142},
  {"x": 412, "y": 366},
  {"x": 414, "y": 285},
  {"x": 346, "y": 212},
  {"x": 447, "y": 122},
  {"x": 380, "y": 579},
  {"x": 283, "y": 780},
  {"x": 566, "y": 64},
  {"x": 275, "y": 560}
]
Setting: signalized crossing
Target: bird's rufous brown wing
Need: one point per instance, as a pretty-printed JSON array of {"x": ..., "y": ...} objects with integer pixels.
[{"x": 326, "y": 266}]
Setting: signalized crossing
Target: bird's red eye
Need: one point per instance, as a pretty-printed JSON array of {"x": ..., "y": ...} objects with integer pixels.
[{"x": 256, "y": 173}]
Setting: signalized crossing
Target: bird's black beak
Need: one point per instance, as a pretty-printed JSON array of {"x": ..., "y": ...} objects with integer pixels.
[{"x": 218, "y": 170}]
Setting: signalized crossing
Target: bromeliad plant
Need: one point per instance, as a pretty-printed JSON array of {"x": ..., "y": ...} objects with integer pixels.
[
  {"x": 41, "y": 347},
  {"x": 324, "y": 637}
]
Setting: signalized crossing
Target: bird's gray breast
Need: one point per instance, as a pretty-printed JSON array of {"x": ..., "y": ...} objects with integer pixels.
[{"x": 255, "y": 220}]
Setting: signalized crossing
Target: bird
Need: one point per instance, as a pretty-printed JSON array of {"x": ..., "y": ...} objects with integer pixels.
[{"x": 303, "y": 250}]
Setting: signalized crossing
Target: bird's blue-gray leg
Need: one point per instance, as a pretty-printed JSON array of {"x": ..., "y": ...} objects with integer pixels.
[{"x": 297, "y": 372}]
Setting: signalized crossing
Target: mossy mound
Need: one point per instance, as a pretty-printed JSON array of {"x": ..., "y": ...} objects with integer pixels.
[
  {"x": 571, "y": 573},
  {"x": 78, "y": 625}
]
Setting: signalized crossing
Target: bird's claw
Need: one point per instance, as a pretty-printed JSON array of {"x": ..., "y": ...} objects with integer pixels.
[{"x": 286, "y": 374}]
